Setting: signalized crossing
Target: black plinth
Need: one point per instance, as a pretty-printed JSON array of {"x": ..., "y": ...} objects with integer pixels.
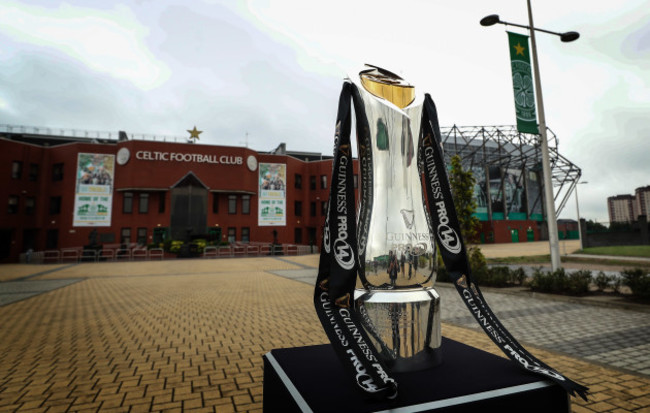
[{"x": 311, "y": 379}]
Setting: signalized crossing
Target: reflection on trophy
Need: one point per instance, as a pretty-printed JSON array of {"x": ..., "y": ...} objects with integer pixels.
[{"x": 398, "y": 306}]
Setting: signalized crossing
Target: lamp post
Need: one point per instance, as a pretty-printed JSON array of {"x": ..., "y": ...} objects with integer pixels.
[
  {"x": 551, "y": 218},
  {"x": 578, "y": 212}
]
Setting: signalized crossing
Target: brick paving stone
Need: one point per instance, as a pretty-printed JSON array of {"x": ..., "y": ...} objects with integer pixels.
[{"x": 191, "y": 334}]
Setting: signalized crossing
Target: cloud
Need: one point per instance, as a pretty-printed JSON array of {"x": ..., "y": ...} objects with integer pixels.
[{"x": 107, "y": 41}]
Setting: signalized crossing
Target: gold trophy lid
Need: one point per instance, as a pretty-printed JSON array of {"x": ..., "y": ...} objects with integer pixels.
[{"x": 387, "y": 85}]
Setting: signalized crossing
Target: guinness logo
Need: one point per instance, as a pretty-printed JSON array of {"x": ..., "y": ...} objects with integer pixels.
[
  {"x": 408, "y": 216},
  {"x": 462, "y": 281},
  {"x": 324, "y": 285},
  {"x": 345, "y": 149},
  {"x": 343, "y": 301},
  {"x": 343, "y": 254},
  {"x": 449, "y": 239},
  {"x": 427, "y": 140}
]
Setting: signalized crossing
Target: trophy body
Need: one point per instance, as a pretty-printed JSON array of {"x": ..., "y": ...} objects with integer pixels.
[{"x": 399, "y": 308}]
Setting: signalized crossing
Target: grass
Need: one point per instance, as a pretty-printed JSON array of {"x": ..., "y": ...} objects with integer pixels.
[{"x": 621, "y": 251}]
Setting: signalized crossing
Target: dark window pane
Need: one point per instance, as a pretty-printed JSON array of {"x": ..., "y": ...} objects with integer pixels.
[
  {"x": 55, "y": 205},
  {"x": 142, "y": 236},
  {"x": 52, "y": 239},
  {"x": 245, "y": 234},
  {"x": 143, "y": 205},
  {"x": 125, "y": 236},
  {"x": 312, "y": 182},
  {"x": 215, "y": 203},
  {"x": 323, "y": 182},
  {"x": 246, "y": 204},
  {"x": 298, "y": 181},
  {"x": 312, "y": 209},
  {"x": 232, "y": 204},
  {"x": 30, "y": 205},
  {"x": 16, "y": 169},
  {"x": 297, "y": 206},
  {"x": 13, "y": 204},
  {"x": 161, "y": 202},
  {"x": 127, "y": 203},
  {"x": 232, "y": 232},
  {"x": 33, "y": 171},
  {"x": 57, "y": 172}
]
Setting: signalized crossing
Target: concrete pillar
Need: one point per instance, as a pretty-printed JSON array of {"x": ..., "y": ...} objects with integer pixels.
[{"x": 583, "y": 233}]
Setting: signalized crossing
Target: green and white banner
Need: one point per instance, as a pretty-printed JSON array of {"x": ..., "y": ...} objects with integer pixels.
[
  {"x": 272, "y": 194},
  {"x": 522, "y": 83},
  {"x": 94, "y": 190}
]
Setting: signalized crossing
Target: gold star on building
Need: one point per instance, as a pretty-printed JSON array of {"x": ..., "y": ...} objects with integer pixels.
[
  {"x": 520, "y": 49},
  {"x": 194, "y": 134}
]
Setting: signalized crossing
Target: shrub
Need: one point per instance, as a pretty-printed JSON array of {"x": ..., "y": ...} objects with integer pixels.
[
  {"x": 578, "y": 282},
  {"x": 478, "y": 264},
  {"x": 602, "y": 281},
  {"x": 518, "y": 276},
  {"x": 498, "y": 276},
  {"x": 639, "y": 282}
]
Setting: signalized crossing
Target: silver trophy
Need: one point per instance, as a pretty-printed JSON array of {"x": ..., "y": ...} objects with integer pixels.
[{"x": 399, "y": 308}]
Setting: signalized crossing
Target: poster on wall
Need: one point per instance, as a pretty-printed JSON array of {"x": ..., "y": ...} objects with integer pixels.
[
  {"x": 272, "y": 194},
  {"x": 93, "y": 190}
]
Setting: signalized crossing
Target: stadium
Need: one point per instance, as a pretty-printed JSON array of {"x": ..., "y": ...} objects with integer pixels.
[{"x": 72, "y": 191}]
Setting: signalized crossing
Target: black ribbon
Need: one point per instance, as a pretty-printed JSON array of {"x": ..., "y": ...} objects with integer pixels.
[{"x": 338, "y": 267}]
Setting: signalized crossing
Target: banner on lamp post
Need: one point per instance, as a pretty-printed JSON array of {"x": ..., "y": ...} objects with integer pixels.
[{"x": 522, "y": 83}]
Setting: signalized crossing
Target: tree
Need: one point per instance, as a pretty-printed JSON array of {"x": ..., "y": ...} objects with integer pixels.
[{"x": 462, "y": 189}]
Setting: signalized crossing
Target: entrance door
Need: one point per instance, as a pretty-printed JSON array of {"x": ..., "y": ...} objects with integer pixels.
[
  {"x": 189, "y": 208},
  {"x": 514, "y": 234}
]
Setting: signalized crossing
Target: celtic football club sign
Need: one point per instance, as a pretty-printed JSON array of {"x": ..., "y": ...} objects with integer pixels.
[{"x": 522, "y": 83}]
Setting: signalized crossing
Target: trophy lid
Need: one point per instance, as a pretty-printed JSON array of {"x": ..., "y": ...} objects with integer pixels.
[{"x": 387, "y": 85}]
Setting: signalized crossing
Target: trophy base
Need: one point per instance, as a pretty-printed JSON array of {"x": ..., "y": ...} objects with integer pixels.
[{"x": 403, "y": 325}]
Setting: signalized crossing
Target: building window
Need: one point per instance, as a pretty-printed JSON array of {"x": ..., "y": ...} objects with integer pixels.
[
  {"x": 127, "y": 203},
  {"x": 30, "y": 205},
  {"x": 312, "y": 182},
  {"x": 323, "y": 208},
  {"x": 215, "y": 203},
  {"x": 246, "y": 204},
  {"x": 55, "y": 205},
  {"x": 232, "y": 232},
  {"x": 232, "y": 204},
  {"x": 323, "y": 182},
  {"x": 312, "y": 209},
  {"x": 57, "y": 172},
  {"x": 245, "y": 234},
  {"x": 52, "y": 239},
  {"x": 33, "y": 171},
  {"x": 298, "y": 181},
  {"x": 143, "y": 205},
  {"x": 125, "y": 236},
  {"x": 13, "y": 204},
  {"x": 142, "y": 236},
  {"x": 297, "y": 206},
  {"x": 355, "y": 179},
  {"x": 16, "y": 169},
  {"x": 161, "y": 202},
  {"x": 297, "y": 234}
]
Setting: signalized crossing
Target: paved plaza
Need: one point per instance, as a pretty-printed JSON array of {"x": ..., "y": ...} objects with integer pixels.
[{"x": 190, "y": 334}]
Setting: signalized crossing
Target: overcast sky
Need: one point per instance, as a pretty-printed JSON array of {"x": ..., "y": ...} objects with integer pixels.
[{"x": 273, "y": 70}]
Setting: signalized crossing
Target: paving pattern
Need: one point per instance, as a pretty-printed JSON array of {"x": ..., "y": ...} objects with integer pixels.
[{"x": 190, "y": 335}]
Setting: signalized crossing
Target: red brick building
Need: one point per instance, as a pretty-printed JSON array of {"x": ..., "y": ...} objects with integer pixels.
[{"x": 160, "y": 190}]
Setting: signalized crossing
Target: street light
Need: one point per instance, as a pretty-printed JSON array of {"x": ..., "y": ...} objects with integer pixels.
[
  {"x": 578, "y": 212},
  {"x": 551, "y": 218}
]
